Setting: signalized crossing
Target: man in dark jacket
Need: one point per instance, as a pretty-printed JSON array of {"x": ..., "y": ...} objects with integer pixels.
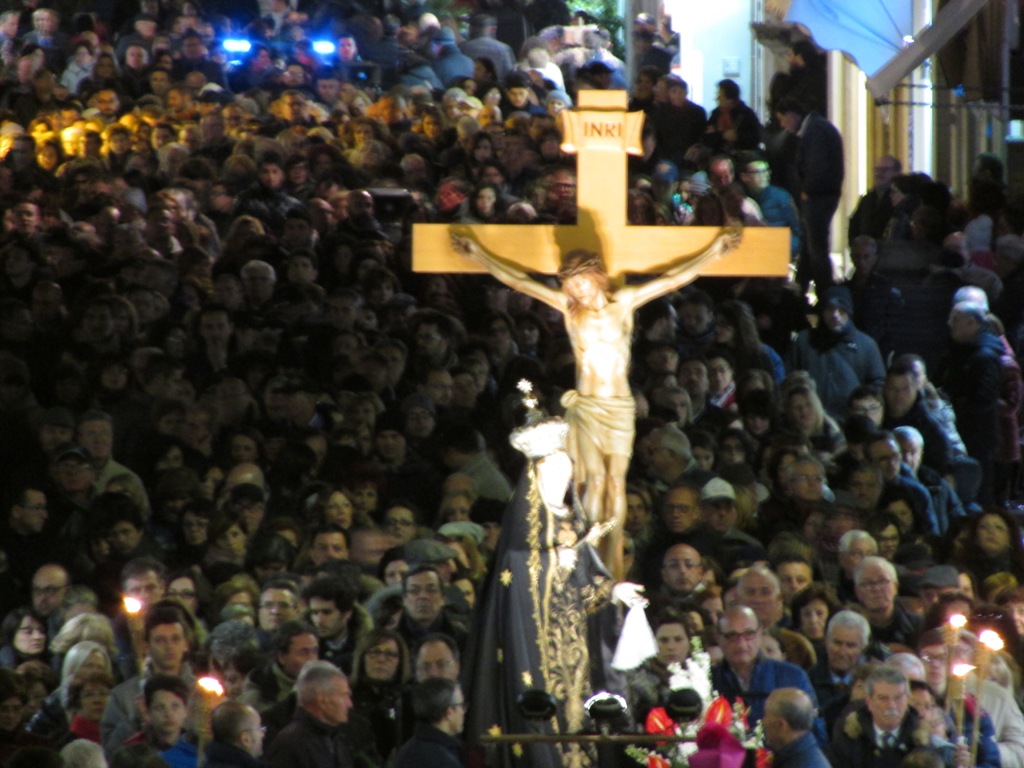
[
  {"x": 820, "y": 170},
  {"x": 788, "y": 720},
  {"x": 875, "y": 208},
  {"x": 971, "y": 376},
  {"x": 746, "y": 673},
  {"x": 732, "y": 126},
  {"x": 237, "y": 737},
  {"x": 678, "y": 123},
  {"x": 882, "y": 730},
  {"x": 904, "y": 407},
  {"x": 267, "y": 199},
  {"x": 440, "y": 710},
  {"x": 319, "y": 735},
  {"x": 837, "y": 355}
]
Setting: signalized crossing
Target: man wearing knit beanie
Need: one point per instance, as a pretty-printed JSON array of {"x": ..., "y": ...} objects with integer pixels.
[{"x": 836, "y": 354}]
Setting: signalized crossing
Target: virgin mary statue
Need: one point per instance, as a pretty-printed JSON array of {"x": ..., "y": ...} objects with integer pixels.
[{"x": 546, "y": 621}]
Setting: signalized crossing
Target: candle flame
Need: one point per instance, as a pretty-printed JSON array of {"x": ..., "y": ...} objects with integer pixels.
[
  {"x": 211, "y": 685},
  {"x": 958, "y": 621},
  {"x": 132, "y": 605},
  {"x": 962, "y": 670},
  {"x": 991, "y": 640}
]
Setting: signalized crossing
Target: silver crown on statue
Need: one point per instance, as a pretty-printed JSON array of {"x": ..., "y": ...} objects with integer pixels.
[{"x": 540, "y": 436}]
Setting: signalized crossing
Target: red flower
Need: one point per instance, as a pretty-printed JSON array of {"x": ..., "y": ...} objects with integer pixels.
[
  {"x": 719, "y": 712},
  {"x": 659, "y": 723}
]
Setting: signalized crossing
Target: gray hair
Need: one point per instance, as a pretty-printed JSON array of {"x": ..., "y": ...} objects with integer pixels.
[
  {"x": 231, "y": 637},
  {"x": 973, "y": 294},
  {"x": 848, "y": 539},
  {"x": 673, "y": 439},
  {"x": 765, "y": 573},
  {"x": 907, "y": 663},
  {"x": 82, "y": 753},
  {"x": 795, "y": 707},
  {"x": 801, "y": 461},
  {"x": 84, "y": 626},
  {"x": 257, "y": 265},
  {"x": 74, "y": 659},
  {"x": 889, "y": 675},
  {"x": 909, "y": 433},
  {"x": 850, "y": 620},
  {"x": 873, "y": 561},
  {"x": 315, "y": 678}
]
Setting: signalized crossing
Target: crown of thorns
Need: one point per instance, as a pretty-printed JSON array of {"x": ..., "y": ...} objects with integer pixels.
[{"x": 579, "y": 261}]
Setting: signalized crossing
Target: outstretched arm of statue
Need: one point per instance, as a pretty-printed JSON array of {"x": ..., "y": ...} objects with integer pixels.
[
  {"x": 683, "y": 271},
  {"x": 510, "y": 274}
]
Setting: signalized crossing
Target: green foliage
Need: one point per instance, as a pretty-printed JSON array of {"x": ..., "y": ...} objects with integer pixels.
[{"x": 609, "y": 16}]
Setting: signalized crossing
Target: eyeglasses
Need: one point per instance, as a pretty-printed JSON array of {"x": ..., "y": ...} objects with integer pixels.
[
  {"x": 747, "y": 634},
  {"x": 277, "y": 606},
  {"x": 679, "y": 508},
  {"x": 261, "y": 729},
  {"x": 934, "y": 658}
]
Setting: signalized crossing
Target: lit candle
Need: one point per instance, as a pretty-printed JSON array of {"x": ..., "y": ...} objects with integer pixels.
[
  {"x": 208, "y": 693},
  {"x": 990, "y": 643},
  {"x": 136, "y": 628},
  {"x": 958, "y": 693},
  {"x": 952, "y": 628}
]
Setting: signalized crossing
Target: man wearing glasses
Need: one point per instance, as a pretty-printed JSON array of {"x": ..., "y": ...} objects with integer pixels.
[
  {"x": 237, "y": 737},
  {"x": 776, "y": 204},
  {"x": 440, "y": 710},
  {"x": 876, "y": 586},
  {"x": 746, "y": 673}
]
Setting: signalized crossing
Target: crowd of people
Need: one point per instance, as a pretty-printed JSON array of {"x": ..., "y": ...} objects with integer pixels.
[{"x": 225, "y": 393}]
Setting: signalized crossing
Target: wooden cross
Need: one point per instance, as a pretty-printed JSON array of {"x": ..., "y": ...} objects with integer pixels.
[{"x": 602, "y": 133}]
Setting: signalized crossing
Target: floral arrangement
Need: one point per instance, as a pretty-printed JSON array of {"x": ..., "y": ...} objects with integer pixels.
[{"x": 720, "y": 738}]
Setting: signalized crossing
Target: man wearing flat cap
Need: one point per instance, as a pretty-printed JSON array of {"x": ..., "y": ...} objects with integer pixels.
[{"x": 837, "y": 355}]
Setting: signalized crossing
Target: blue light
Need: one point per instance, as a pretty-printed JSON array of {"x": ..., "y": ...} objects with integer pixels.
[
  {"x": 324, "y": 47},
  {"x": 237, "y": 46}
]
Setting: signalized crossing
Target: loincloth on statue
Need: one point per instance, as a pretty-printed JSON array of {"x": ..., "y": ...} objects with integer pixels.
[{"x": 607, "y": 422}]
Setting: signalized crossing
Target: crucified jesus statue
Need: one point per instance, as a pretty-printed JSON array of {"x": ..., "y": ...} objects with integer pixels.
[{"x": 601, "y": 411}]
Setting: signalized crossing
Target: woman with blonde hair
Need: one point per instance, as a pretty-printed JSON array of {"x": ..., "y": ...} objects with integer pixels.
[
  {"x": 92, "y": 627},
  {"x": 84, "y": 657},
  {"x": 802, "y": 410}
]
